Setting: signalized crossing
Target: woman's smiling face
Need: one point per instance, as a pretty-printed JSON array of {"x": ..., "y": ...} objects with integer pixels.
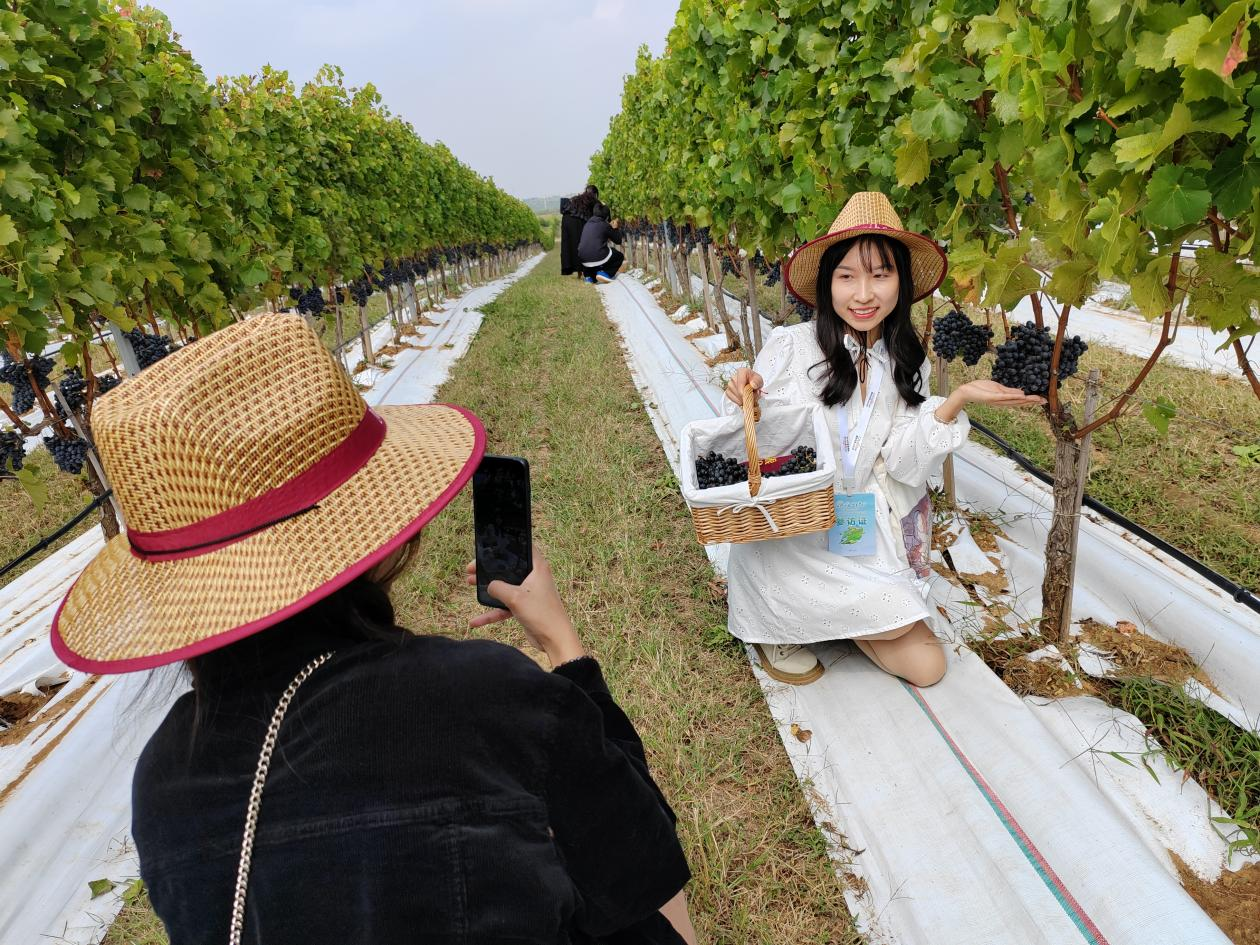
[{"x": 864, "y": 286}]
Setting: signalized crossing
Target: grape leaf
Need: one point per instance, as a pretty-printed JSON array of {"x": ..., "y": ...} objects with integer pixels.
[
  {"x": 1073, "y": 281},
  {"x": 1159, "y": 412},
  {"x": 912, "y": 162},
  {"x": 1178, "y": 197}
]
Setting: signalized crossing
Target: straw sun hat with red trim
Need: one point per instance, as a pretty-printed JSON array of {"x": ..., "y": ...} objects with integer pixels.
[
  {"x": 867, "y": 212},
  {"x": 253, "y": 481}
]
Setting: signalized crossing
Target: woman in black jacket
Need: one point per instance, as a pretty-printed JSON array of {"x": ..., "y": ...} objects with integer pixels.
[
  {"x": 332, "y": 778},
  {"x": 573, "y": 215}
]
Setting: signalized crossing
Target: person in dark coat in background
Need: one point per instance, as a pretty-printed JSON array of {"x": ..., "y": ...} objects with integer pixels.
[
  {"x": 573, "y": 217},
  {"x": 600, "y": 259}
]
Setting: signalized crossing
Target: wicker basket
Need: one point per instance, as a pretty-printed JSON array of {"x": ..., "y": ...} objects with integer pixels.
[{"x": 745, "y": 518}]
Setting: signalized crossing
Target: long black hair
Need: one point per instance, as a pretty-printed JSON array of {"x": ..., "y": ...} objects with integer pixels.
[
  {"x": 902, "y": 341},
  {"x": 584, "y": 203}
]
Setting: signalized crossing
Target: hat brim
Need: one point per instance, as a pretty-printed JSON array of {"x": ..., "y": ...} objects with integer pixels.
[
  {"x": 928, "y": 263},
  {"x": 125, "y": 613}
]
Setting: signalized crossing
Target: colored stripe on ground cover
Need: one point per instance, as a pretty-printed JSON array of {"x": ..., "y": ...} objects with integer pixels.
[{"x": 1083, "y": 922}]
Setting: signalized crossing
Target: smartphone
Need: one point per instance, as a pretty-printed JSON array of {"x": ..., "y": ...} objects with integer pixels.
[{"x": 502, "y": 523}]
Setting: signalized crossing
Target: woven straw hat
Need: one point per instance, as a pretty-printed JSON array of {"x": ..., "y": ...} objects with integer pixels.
[
  {"x": 867, "y": 212},
  {"x": 253, "y": 481}
]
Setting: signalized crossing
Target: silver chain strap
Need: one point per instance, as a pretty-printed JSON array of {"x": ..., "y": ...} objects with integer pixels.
[{"x": 255, "y": 797}]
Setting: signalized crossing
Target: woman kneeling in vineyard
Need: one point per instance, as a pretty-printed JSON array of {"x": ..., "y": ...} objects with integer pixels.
[
  {"x": 862, "y": 360},
  {"x": 422, "y": 788}
]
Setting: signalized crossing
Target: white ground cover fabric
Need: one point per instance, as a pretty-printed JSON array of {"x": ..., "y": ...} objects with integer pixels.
[
  {"x": 966, "y": 814},
  {"x": 65, "y": 789}
]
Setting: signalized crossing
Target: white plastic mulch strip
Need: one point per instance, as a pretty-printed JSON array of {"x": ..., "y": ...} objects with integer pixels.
[
  {"x": 962, "y": 814},
  {"x": 65, "y": 787}
]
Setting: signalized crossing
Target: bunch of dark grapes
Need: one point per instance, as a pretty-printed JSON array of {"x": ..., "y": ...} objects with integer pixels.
[
  {"x": 804, "y": 460},
  {"x": 713, "y": 470},
  {"x": 955, "y": 335},
  {"x": 72, "y": 387},
  {"x": 1024, "y": 360},
  {"x": 311, "y": 301},
  {"x": 149, "y": 349},
  {"x": 671, "y": 232},
  {"x": 728, "y": 266},
  {"x": 68, "y": 454},
  {"x": 295, "y": 293},
  {"x": 360, "y": 291},
  {"x": 12, "y": 451},
  {"x": 704, "y": 237},
  {"x": 107, "y": 382},
  {"x": 14, "y": 372},
  {"x": 774, "y": 274},
  {"x": 804, "y": 310}
]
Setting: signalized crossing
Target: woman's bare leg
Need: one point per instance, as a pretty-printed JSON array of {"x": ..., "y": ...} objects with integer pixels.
[
  {"x": 676, "y": 911},
  {"x": 912, "y": 653}
]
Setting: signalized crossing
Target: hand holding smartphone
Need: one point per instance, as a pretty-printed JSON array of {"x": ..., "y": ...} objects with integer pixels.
[
  {"x": 505, "y": 552},
  {"x": 502, "y": 523}
]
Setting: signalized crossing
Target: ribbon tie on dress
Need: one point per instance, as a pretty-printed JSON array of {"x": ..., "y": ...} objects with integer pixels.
[{"x": 755, "y": 502}]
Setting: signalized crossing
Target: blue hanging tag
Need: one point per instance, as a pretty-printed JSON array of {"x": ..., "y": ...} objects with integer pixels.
[{"x": 853, "y": 535}]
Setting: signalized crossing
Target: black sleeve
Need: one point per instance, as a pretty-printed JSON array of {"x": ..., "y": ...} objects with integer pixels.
[
  {"x": 611, "y": 822},
  {"x": 614, "y": 234}
]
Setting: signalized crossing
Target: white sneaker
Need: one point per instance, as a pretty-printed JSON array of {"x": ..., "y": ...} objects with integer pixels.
[{"x": 789, "y": 662}]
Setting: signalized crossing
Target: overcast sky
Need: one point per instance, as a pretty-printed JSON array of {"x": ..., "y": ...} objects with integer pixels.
[{"x": 520, "y": 90}]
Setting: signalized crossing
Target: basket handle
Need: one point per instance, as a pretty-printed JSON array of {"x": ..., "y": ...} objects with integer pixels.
[{"x": 752, "y": 413}]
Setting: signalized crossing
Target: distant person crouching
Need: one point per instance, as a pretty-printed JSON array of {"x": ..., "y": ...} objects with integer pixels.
[{"x": 600, "y": 260}]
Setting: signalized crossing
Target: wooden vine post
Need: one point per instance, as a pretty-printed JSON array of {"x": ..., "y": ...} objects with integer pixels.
[
  {"x": 1093, "y": 387},
  {"x": 705, "y": 291},
  {"x": 98, "y": 482},
  {"x": 365, "y": 335},
  {"x": 942, "y": 390},
  {"x": 713, "y": 267},
  {"x": 754, "y": 316}
]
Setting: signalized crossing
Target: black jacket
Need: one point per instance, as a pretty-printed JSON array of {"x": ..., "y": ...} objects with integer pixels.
[
  {"x": 422, "y": 790},
  {"x": 593, "y": 246}
]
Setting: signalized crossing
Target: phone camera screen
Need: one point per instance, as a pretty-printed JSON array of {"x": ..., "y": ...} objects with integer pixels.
[{"x": 501, "y": 512}]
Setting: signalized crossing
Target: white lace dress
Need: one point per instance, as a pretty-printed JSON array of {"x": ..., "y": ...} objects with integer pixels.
[{"x": 793, "y": 590}]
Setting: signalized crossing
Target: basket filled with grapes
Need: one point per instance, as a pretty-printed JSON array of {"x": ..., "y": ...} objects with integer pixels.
[{"x": 761, "y": 475}]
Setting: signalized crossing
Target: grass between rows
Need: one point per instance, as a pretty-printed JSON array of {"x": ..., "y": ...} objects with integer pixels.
[{"x": 546, "y": 376}]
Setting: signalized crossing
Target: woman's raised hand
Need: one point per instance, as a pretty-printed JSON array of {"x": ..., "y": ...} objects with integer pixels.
[
  {"x": 536, "y": 605},
  {"x": 735, "y": 389}
]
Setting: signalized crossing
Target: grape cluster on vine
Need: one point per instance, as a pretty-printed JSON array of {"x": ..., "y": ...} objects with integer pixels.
[
  {"x": 360, "y": 291},
  {"x": 774, "y": 274},
  {"x": 12, "y": 451},
  {"x": 714, "y": 470},
  {"x": 1024, "y": 360},
  {"x": 14, "y": 373},
  {"x": 67, "y": 452},
  {"x": 149, "y": 349},
  {"x": 956, "y": 334},
  {"x": 803, "y": 310},
  {"x": 107, "y": 382},
  {"x": 310, "y": 301}
]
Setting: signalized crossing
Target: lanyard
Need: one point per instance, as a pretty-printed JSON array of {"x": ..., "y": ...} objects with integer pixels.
[{"x": 850, "y": 444}]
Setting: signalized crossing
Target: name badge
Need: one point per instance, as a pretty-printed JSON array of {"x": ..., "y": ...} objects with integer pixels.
[{"x": 853, "y": 535}]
